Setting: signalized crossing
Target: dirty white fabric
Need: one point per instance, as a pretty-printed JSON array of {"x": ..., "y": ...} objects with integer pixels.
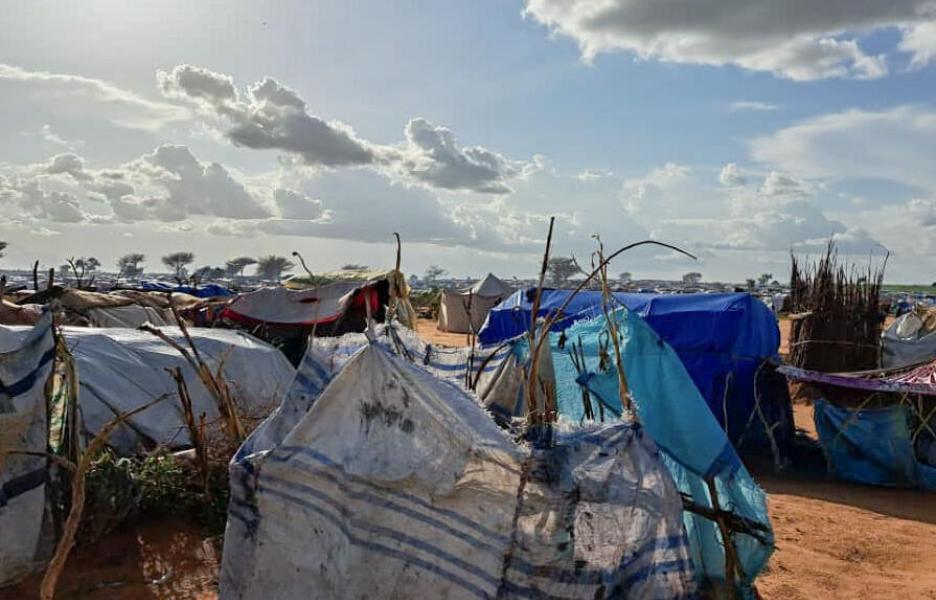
[
  {"x": 121, "y": 369},
  {"x": 23, "y": 375},
  {"x": 465, "y": 310},
  {"x": 286, "y": 306},
  {"x": 130, "y": 316},
  {"x": 397, "y": 484}
]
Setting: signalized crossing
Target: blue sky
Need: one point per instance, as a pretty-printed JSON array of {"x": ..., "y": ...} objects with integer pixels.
[{"x": 738, "y": 130}]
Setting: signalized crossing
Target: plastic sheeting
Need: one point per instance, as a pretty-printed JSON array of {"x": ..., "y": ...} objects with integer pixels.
[
  {"x": 675, "y": 415},
  {"x": 129, "y": 316},
  {"x": 23, "y": 427},
  {"x": 872, "y": 445},
  {"x": 465, "y": 310},
  {"x": 721, "y": 339},
  {"x": 397, "y": 481},
  {"x": 121, "y": 369},
  {"x": 209, "y": 290},
  {"x": 911, "y": 339}
]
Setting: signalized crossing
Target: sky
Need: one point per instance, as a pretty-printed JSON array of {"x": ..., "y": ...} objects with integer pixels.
[{"x": 739, "y": 130}]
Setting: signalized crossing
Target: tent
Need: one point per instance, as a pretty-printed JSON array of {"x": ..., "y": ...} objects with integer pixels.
[
  {"x": 465, "y": 310},
  {"x": 910, "y": 340},
  {"x": 877, "y": 427},
  {"x": 675, "y": 414},
  {"x": 394, "y": 480},
  {"x": 722, "y": 339},
  {"x": 121, "y": 369},
  {"x": 24, "y": 370}
]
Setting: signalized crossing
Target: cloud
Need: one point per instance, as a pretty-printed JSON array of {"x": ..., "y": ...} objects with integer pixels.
[
  {"x": 799, "y": 40},
  {"x": 296, "y": 205},
  {"x": 895, "y": 144},
  {"x": 271, "y": 116},
  {"x": 778, "y": 184},
  {"x": 731, "y": 176},
  {"x": 749, "y": 105},
  {"x": 592, "y": 174},
  {"x": 126, "y": 108}
]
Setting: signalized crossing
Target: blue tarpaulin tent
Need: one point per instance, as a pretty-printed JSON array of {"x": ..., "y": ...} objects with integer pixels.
[
  {"x": 722, "y": 340},
  {"x": 671, "y": 409},
  {"x": 208, "y": 290}
]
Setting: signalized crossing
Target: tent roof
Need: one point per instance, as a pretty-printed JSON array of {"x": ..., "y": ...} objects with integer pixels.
[{"x": 489, "y": 286}]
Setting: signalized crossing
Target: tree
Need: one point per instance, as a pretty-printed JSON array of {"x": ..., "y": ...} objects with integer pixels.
[
  {"x": 208, "y": 273},
  {"x": 561, "y": 269},
  {"x": 128, "y": 265},
  {"x": 751, "y": 284},
  {"x": 625, "y": 277},
  {"x": 81, "y": 268},
  {"x": 434, "y": 273},
  {"x": 271, "y": 267},
  {"x": 3, "y": 246},
  {"x": 177, "y": 262},
  {"x": 764, "y": 279},
  {"x": 236, "y": 266},
  {"x": 692, "y": 278},
  {"x": 354, "y": 267}
]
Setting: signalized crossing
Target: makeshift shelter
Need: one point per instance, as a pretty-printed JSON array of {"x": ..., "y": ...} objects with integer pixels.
[
  {"x": 24, "y": 427},
  {"x": 465, "y": 310},
  {"x": 121, "y": 369},
  {"x": 209, "y": 290},
  {"x": 877, "y": 427},
  {"x": 675, "y": 415},
  {"x": 393, "y": 480},
  {"x": 725, "y": 342},
  {"x": 126, "y": 308},
  {"x": 910, "y": 340}
]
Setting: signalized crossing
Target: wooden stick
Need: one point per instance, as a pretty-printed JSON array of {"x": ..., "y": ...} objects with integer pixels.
[
  {"x": 535, "y": 349},
  {"x": 67, "y": 541}
]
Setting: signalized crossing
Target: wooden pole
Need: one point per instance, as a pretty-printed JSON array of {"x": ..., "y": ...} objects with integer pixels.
[{"x": 36, "y": 276}]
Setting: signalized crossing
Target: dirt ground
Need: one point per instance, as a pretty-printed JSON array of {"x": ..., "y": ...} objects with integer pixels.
[{"x": 835, "y": 541}]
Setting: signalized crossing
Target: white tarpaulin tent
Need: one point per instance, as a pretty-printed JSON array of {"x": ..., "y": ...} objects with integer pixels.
[
  {"x": 122, "y": 369},
  {"x": 910, "y": 340},
  {"x": 395, "y": 482},
  {"x": 24, "y": 371},
  {"x": 464, "y": 311}
]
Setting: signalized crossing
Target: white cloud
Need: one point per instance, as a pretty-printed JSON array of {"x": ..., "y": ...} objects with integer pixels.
[
  {"x": 751, "y": 105},
  {"x": 797, "y": 39},
  {"x": 273, "y": 116},
  {"x": 895, "y": 144},
  {"x": 778, "y": 184},
  {"x": 125, "y": 108},
  {"x": 592, "y": 174},
  {"x": 731, "y": 176},
  {"x": 296, "y": 205}
]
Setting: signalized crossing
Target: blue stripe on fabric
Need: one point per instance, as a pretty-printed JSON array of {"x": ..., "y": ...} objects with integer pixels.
[
  {"x": 284, "y": 453},
  {"x": 29, "y": 380},
  {"x": 21, "y": 484},
  {"x": 410, "y": 559},
  {"x": 389, "y": 505}
]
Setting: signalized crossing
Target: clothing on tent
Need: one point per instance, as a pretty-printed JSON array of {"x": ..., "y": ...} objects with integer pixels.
[
  {"x": 722, "y": 340},
  {"x": 675, "y": 415},
  {"x": 121, "y": 369},
  {"x": 465, "y": 310},
  {"x": 394, "y": 480},
  {"x": 24, "y": 371}
]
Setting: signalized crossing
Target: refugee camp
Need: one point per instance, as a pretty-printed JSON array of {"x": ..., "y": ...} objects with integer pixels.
[{"x": 548, "y": 299}]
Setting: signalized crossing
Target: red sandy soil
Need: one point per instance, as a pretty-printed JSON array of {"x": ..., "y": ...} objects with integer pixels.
[{"x": 835, "y": 541}]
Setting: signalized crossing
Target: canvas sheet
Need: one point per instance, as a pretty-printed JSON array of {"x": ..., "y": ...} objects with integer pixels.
[
  {"x": 23, "y": 427},
  {"x": 399, "y": 482},
  {"x": 130, "y": 316},
  {"x": 122, "y": 369},
  {"x": 282, "y": 305}
]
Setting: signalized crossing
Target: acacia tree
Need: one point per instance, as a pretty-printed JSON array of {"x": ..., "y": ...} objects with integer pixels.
[
  {"x": 764, "y": 279},
  {"x": 561, "y": 269},
  {"x": 692, "y": 278},
  {"x": 625, "y": 277},
  {"x": 354, "y": 267},
  {"x": 3, "y": 246},
  {"x": 177, "y": 262},
  {"x": 128, "y": 265},
  {"x": 434, "y": 273},
  {"x": 271, "y": 267},
  {"x": 236, "y": 266},
  {"x": 82, "y": 268}
]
